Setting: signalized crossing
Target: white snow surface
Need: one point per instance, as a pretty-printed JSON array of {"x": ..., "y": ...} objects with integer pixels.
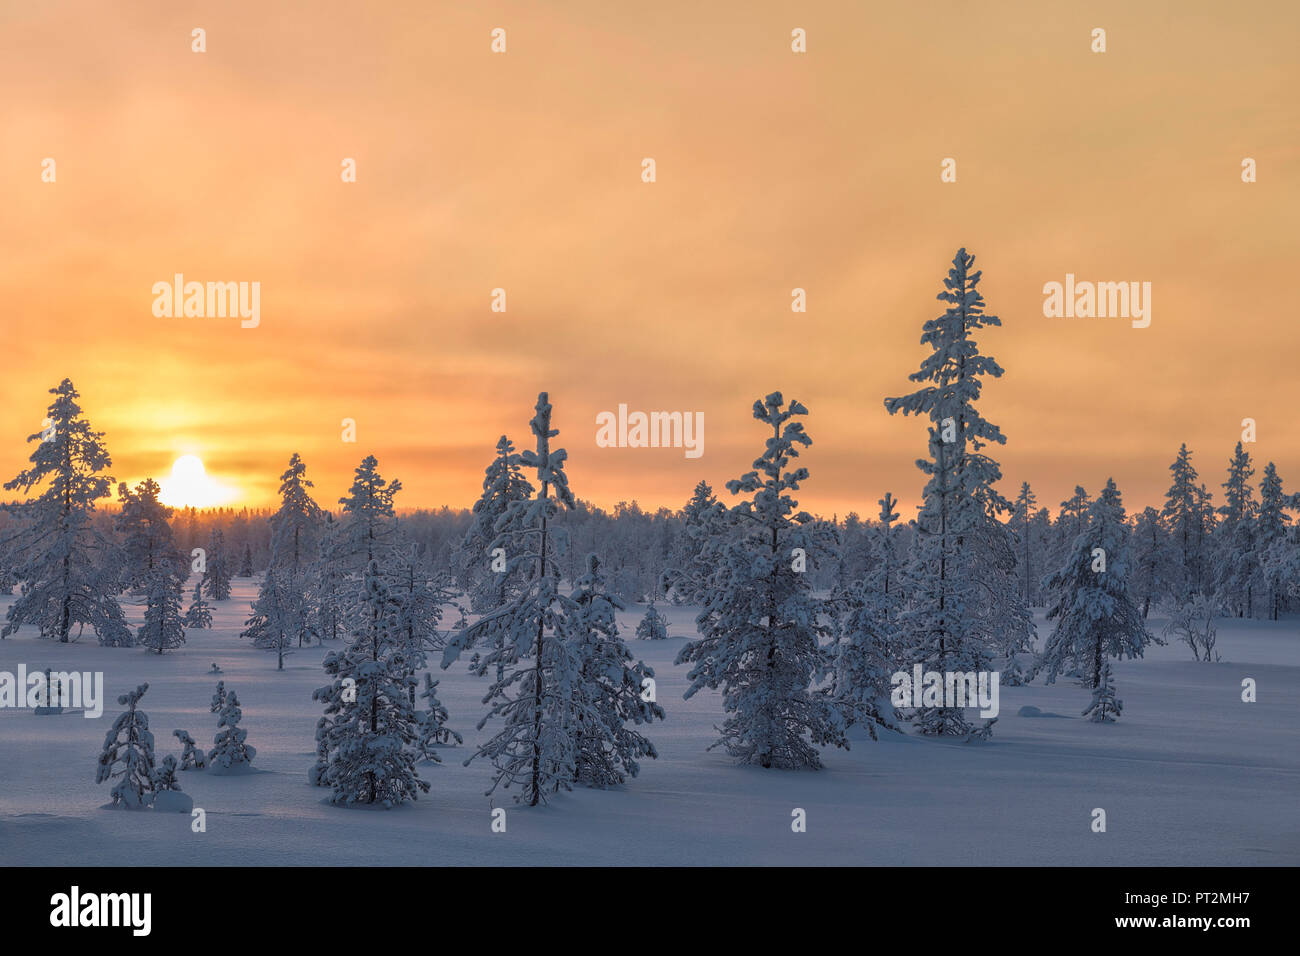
[{"x": 1190, "y": 775}]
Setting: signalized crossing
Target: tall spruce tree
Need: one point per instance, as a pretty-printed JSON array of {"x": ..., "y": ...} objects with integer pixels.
[
  {"x": 1182, "y": 512},
  {"x": 532, "y": 647},
  {"x": 965, "y": 606},
  {"x": 70, "y": 571},
  {"x": 1237, "y": 568},
  {"x": 1021, "y": 517},
  {"x": 295, "y": 530}
]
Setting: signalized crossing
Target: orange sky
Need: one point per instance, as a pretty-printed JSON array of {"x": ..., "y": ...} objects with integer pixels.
[{"x": 479, "y": 170}]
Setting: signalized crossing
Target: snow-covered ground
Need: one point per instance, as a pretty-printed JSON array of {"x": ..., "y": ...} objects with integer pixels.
[{"x": 1190, "y": 775}]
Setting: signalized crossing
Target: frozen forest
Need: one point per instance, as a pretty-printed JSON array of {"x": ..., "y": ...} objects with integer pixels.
[{"x": 535, "y": 650}]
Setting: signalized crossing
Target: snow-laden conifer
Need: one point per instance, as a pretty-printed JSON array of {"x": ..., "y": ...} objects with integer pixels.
[
  {"x": 609, "y": 693},
  {"x": 366, "y": 741},
  {"x": 230, "y": 752},
  {"x": 147, "y": 537},
  {"x": 127, "y": 759},
  {"x": 1096, "y": 617},
  {"x": 965, "y": 605},
  {"x": 164, "y": 627},
  {"x": 1105, "y": 706},
  {"x": 762, "y": 628},
  {"x": 219, "y": 698},
  {"x": 703, "y": 519},
  {"x": 199, "y": 613},
  {"x": 503, "y": 483},
  {"x": 217, "y": 567},
  {"x": 652, "y": 626},
  {"x": 1271, "y": 538},
  {"x": 529, "y": 641},
  {"x": 329, "y": 585},
  {"x": 69, "y": 569},
  {"x": 279, "y": 613},
  {"x": 869, "y": 649},
  {"x": 192, "y": 758},
  {"x": 433, "y": 732}
]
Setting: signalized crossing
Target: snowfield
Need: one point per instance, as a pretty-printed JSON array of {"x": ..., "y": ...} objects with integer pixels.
[{"x": 1190, "y": 775}]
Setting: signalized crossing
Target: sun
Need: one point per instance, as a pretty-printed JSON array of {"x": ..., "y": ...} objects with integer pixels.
[{"x": 189, "y": 485}]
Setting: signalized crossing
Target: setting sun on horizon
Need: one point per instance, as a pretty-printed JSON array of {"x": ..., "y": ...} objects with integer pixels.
[{"x": 189, "y": 486}]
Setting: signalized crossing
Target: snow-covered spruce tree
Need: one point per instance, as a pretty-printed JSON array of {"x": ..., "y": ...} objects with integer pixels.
[
  {"x": 70, "y": 571},
  {"x": 163, "y": 628},
  {"x": 230, "y": 754},
  {"x": 965, "y": 605},
  {"x": 762, "y": 628},
  {"x": 127, "y": 757},
  {"x": 1096, "y": 617},
  {"x": 1236, "y": 561},
  {"x": 145, "y": 526},
  {"x": 434, "y": 732},
  {"x": 652, "y": 626},
  {"x": 163, "y": 777},
  {"x": 199, "y": 613},
  {"x": 217, "y": 564},
  {"x": 703, "y": 519},
  {"x": 369, "y": 527},
  {"x": 1155, "y": 566},
  {"x": 1105, "y": 706},
  {"x": 503, "y": 482},
  {"x": 366, "y": 740},
  {"x": 531, "y": 642},
  {"x": 192, "y": 758},
  {"x": 869, "y": 651},
  {"x": 1182, "y": 511},
  {"x": 278, "y": 613},
  {"x": 246, "y": 565},
  {"x": 295, "y": 527},
  {"x": 167, "y": 795},
  {"x": 1071, "y": 520},
  {"x": 608, "y": 693},
  {"x": 329, "y": 580},
  {"x": 419, "y": 596},
  {"x": 1021, "y": 526},
  {"x": 1271, "y": 538},
  {"x": 218, "y": 699}
]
